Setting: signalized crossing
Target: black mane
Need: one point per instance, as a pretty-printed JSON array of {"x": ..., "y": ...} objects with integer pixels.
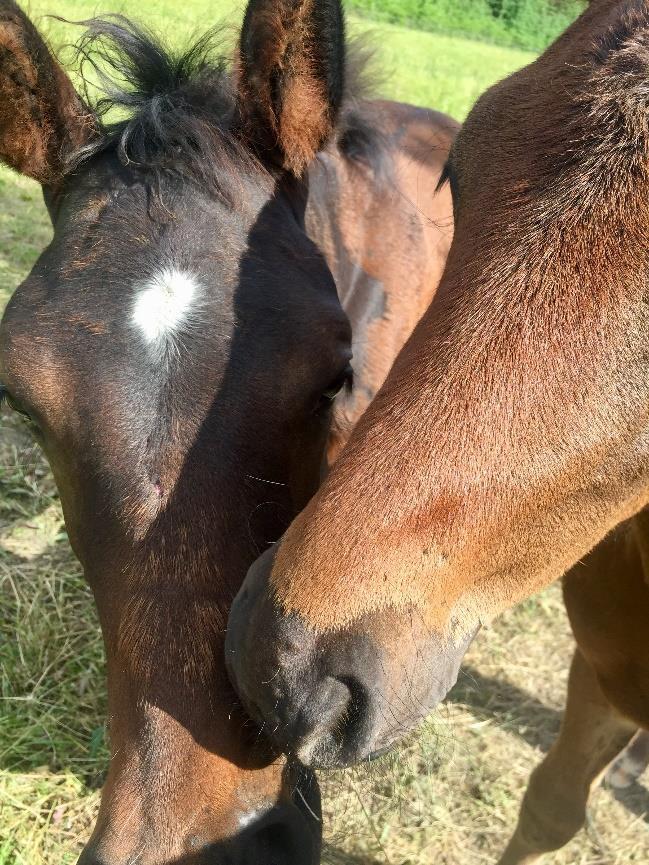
[{"x": 176, "y": 112}]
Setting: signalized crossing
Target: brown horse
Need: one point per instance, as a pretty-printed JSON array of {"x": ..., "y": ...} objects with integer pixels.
[
  {"x": 177, "y": 350},
  {"x": 510, "y": 437}
]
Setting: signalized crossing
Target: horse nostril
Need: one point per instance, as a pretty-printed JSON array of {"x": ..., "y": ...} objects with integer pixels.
[{"x": 333, "y": 722}]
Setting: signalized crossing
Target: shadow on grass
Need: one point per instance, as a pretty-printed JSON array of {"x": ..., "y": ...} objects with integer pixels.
[
  {"x": 515, "y": 710},
  {"x": 518, "y": 712},
  {"x": 334, "y": 856},
  {"x": 26, "y": 483},
  {"x": 635, "y": 799}
]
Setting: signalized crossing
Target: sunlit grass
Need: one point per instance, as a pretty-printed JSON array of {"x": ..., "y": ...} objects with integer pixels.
[{"x": 52, "y": 694}]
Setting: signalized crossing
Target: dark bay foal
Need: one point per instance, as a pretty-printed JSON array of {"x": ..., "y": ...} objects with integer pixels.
[
  {"x": 510, "y": 438},
  {"x": 178, "y": 350}
]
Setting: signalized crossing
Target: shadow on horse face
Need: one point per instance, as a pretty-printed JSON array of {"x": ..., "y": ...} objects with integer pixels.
[
  {"x": 177, "y": 349},
  {"x": 511, "y": 434},
  {"x": 174, "y": 472}
]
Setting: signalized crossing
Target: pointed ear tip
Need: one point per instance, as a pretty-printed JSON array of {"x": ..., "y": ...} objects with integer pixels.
[
  {"x": 290, "y": 72},
  {"x": 47, "y": 120},
  {"x": 297, "y": 165}
]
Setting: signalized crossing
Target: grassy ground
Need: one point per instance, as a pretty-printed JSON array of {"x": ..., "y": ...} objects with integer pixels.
[
  {"x": 529, "y": 24},
  {"x": 452, "y": 795}
]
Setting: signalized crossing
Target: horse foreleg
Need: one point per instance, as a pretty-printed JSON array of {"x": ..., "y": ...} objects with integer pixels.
[{"x": 554, "y": 807}]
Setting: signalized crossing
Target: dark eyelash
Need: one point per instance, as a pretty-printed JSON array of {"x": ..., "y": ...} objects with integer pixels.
[
  {"x": 445, "y": 177},
  {"x": 449, "y": 176}
]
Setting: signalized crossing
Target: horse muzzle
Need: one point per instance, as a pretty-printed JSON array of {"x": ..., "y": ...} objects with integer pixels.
[{"x": 332, "y": 699}]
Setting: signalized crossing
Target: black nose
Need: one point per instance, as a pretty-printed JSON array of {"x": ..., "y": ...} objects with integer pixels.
[
  {"x": 334, "y": 698},
  {"x": 317, "y": 699},
  {"x": 325, "y": 717},
  {"x": 284, "y": 835}
]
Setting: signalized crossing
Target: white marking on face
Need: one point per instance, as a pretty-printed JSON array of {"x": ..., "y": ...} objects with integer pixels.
[{"x": 163, "y": 306}]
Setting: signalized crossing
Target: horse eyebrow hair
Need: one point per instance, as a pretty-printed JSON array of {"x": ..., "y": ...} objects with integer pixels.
[
  {"x": 449, "y": 176},
  {"x": 445, "y": 176}
]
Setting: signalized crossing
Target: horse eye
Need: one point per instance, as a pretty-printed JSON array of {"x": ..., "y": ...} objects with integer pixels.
[{"x": 345, "y": 379}]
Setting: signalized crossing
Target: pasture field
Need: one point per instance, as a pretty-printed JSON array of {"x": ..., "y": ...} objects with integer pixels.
[
  {"x": 530, "y": 24},
  {"x": 451, "y": 795}
]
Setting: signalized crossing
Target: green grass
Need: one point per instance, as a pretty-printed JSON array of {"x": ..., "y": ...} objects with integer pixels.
[
  {"x": 24, "y": 229},
  {"x": 52, "y": 700},
  {"x": 443, "y": 72},
  {"x": 529, "y": 24},
  {"x": 452, "y": 795}
]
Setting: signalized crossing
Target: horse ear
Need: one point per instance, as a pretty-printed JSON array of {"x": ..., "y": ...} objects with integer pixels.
[
  {"x": 291, "y": 69},
  {"x": 42, "y": 119}
]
